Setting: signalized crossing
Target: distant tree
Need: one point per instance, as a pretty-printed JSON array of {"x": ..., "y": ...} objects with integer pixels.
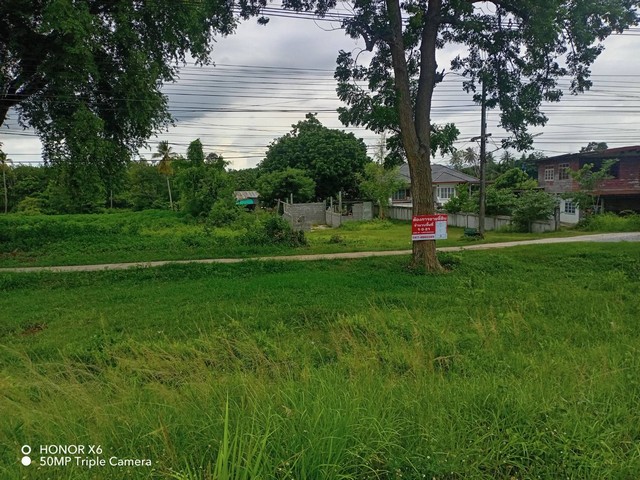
[
  {"x": 332, "y": 158},
  {"x": 379, "y": 183},
  {"x": 195, "y": 153},
  {"x": 515, "y": 179},
  {"x": 589, "y": 181},
  {"x": 216, "y": 161},
  {"x": 75, "y": 188},
  {"x": 245, "y": 179},
  {"x": 202, "y": 184},
  {"x": 145, "y": 186},
  {"x": 29, "y": 181},
  {"x": 467, "y": 161},
  {"x": 166, "y": 156},
  {"x": 280, "y": 185},
  {"x": 528, "y": 163},
  {"x": 594, "y": 147}
]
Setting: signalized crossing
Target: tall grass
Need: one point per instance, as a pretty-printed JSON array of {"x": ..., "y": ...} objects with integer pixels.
[
  {"x": 45, "y": 240},
  {"x": 610, "y": 222},
  {"x": 517, "y": 364}
]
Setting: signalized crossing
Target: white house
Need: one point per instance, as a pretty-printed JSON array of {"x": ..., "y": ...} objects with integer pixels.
[{"x": 445, "y": 181}]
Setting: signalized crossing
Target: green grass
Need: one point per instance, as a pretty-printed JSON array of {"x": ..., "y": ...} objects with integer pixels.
[
  {"x": 518, "y": 363},
  {"x": 609, "y": 222},
  {"x": 162, "y": 235}
]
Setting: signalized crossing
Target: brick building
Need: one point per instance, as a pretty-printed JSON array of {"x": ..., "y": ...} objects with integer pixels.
[{"x": 622, "y": 192}]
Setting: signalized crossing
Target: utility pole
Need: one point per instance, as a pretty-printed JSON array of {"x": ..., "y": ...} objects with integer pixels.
[{"x": 483, "y": 160}]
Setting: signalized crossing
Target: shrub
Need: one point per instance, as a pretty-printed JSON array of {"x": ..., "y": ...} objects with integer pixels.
[
  {"x": 30, "y": 206},
  {"x": 225, "y": 212},
  {"x": 610, "y": 222},
  {"x": 532, "y": 205},
  {"x": 337, "y": 240},
  {"x": 273, "y": 230},
  {"x": 462, "y": 202}
]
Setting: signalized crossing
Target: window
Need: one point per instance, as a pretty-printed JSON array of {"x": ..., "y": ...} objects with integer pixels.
[
  {"x": 548, "y": 173},
  {"x": 445, "y": 193},
  {"x": 402, "y": 194},
  {"x": 563, "y": 171},
  {"x": 569, "y": 207}
]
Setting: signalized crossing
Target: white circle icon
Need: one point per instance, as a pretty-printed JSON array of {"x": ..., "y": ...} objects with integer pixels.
[
  {"x": 26, "y": 461},
  {"x": 26, "y": 449}
]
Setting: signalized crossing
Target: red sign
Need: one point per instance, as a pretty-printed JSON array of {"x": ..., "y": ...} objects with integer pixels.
[{"x": 429, "y": 227}]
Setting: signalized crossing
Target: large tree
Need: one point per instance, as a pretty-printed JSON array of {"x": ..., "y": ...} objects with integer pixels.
[
  {"x": 99, "y": 65},
  {"x": 518, "y": 50},
  {"x": 332, "y": 158}
]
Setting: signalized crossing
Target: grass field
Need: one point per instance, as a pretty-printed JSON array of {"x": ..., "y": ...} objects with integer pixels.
[
  {"x": 162, "y": 235},
  {"x": 518, "y": 363}
]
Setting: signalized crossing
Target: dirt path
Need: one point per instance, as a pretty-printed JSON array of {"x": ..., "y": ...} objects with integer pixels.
[{"x": 602, "y": 237}]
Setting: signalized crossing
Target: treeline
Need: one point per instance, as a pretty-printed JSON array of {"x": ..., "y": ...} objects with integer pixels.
[
  {"x": 193, "y": 184},
  {"x": 310, "y": 162}
]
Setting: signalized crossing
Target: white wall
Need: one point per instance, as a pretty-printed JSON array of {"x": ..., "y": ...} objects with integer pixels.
[{"x": 570, "y": 218}]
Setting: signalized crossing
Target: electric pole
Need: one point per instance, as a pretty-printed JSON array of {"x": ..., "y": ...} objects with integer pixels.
[{"x": 483, "y": 160}]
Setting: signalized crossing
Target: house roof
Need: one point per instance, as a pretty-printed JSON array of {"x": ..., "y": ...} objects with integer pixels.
[
  {"x": 631, "y": 151},
  {"x": 441, "y": 174},
  {"x": 245, "y": 194}
]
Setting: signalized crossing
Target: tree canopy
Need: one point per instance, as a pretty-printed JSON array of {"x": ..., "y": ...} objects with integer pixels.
[
  {"x": 594, "y": 147},
  {"x": 282, "y": 184},
  {"x": 518, "y": 51},
  {"x": 98, "y": 66},
  {"x": 332, "y": 158}
]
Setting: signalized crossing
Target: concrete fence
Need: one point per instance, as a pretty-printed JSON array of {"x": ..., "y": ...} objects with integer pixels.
[
  {"x": 359, "y": 212},
  {"x": 301, "y": 216},
  {"x": 470, "y": 220}
]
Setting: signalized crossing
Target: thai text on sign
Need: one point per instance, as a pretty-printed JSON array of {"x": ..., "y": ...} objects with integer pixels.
[{"x": 429, "y": 227}]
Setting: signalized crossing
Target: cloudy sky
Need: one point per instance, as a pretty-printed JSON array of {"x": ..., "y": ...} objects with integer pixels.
[{"x": 267, "y": 77}]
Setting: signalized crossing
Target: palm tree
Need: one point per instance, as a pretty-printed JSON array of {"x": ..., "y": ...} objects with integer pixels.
[
  {"x": 4, "y": 165},
  {"x": 166, "y": 156}
]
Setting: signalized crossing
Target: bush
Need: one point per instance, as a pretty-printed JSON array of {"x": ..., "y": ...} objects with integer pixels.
[
  {"x": 337, "y": 240},
  {"x": 273, "y": 230},
  {"x": 532, "y": 205},
  {"x": 30, "y": 206},
  {"x": 462, "y": 202},
  {"x": 225, "y": 213}
]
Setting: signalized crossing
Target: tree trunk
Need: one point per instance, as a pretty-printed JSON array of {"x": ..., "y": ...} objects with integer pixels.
[
  {"x": 424, "y": 251},
  {"x": 170, "y": 199},
  {"x": 415, "y": 125}
]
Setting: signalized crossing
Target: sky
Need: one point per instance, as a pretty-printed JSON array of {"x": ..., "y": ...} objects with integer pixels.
[{"x": 266, "y": 78}]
